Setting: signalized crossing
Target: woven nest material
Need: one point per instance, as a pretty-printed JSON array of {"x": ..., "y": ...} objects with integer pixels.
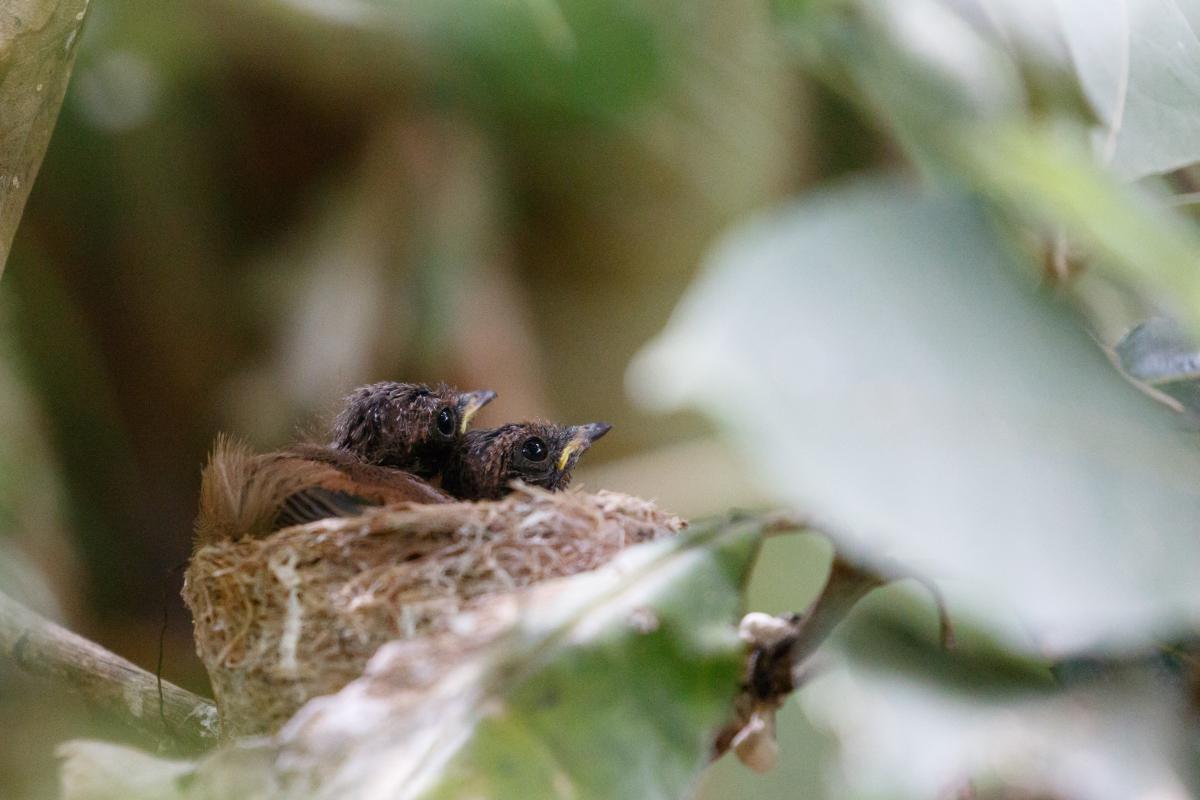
[{"x": 295, "y": 615}]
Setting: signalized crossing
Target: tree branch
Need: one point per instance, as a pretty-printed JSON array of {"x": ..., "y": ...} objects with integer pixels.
[{"x": 42, "y": 648}]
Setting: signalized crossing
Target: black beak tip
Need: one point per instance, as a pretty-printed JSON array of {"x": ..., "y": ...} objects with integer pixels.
[
  {"x": 476, "y": 400},
  {"x": 598, "y": 429}
]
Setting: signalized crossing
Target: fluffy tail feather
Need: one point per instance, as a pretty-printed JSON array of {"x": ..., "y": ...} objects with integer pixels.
[
  {"x": 242, "y": 493},
  {"x": 224, "y": 485}
]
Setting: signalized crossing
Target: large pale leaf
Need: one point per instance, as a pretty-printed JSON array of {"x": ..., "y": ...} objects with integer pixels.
[
  {"x": 1100, "y": 730},
  {"x": 882, "y": 366},
  {"x": 611, "y": 685},
  {"x": 938, "y": 84},
  {"x": 1138, "y": 62},
  {"x": 898, "y": 738},
  {"x": 37, "y": 49}
]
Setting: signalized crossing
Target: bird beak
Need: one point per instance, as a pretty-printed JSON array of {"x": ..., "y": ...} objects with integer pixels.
[
  {"x": 582, "y": 437},
  {"x": 469, "y": 404}
]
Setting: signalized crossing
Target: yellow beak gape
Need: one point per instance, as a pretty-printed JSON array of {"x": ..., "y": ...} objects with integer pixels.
[
  {"x": 577, "y": 441},
  {"x": 475, "y": 401}
]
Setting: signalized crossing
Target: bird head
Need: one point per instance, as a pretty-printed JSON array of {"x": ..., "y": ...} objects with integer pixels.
[
  {"x": 408, "y": 426},
  {"x": 538, "y": 453}
]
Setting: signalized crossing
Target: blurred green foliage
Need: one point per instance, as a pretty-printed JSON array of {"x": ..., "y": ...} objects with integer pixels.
[{"x": 947, "y": 412}]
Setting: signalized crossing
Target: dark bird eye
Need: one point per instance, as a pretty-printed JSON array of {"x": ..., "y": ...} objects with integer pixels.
[
  {"x": 445, "y": 422},
  {"x": 534, "y": 449}
]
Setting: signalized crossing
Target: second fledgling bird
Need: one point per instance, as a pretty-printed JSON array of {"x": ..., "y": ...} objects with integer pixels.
[{"x": 541, "y": 454}]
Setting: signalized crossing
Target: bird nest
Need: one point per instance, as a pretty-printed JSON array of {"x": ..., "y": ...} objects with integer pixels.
[{"x": 298, "y": 614}]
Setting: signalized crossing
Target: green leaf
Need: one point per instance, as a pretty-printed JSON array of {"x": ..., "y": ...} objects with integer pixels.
[
  {"x": 1160, "y": 354},
  {"x": 1041, "y": 176},
  {"x": 37, "y": 49},
  {"x": 950, "y": 92},
  {"x": 991, "y": 718},
  {"x": 953, "y": 99},
  {"x": 1108, "y": 740},
  {"x": 882, "y": 364},
  {"x": 897, "y": 629},
  {"x": 593, "y": 708},
  {"x": 1138, "y": 62}
]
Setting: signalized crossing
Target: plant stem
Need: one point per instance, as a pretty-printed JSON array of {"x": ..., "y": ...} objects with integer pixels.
[{"x": 42, "y": 648}]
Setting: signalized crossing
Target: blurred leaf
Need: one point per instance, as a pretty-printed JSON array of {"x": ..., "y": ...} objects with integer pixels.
[
  {"x": 37, "y": 49},
  {"x": 881, "y": 363},
  {"x": 897, "y": 628},
  {"x": 903, "y": 739},
  {"x": 929, "y": 65},
  {"x": 572, "y": 59},
  {"x": 1158, "y": 352},
  {"x": 1039, "y": 175},
  {"x": 1138, "y": 61},
  {"x": 1003, "y": 724},
  {"x": 954, "y": 99},
  {"x": 914, "y": 64},
  {"x": 582, "y": 679}
]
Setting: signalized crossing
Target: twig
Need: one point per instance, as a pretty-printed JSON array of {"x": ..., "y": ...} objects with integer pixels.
[
  {"x": 781, "y": 648},
  {"x": 106, "y": 680},
  {"x": 847, "y": 584}
]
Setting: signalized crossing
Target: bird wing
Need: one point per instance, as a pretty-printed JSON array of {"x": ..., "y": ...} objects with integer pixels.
[
  {"x": 243, "y": 494},
  {"x": 317, "y": 502}
]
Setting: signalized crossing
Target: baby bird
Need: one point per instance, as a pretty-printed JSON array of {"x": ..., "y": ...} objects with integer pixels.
[
  {"x": 408, "y": 426},
  {"x": 387, "y": 438},
  {"x": 538, "y": 453}
]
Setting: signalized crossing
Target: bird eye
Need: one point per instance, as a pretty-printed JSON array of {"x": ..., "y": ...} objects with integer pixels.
[
  {"x": 445, "y": 422},
  {"x": 534, "y": 449}
]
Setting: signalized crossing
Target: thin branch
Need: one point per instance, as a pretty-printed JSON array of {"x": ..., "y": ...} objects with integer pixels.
[
  {"x": 42, "y": 648},
  {"x": 781, "y": 650},
  {"x": 847, "y": 584}
]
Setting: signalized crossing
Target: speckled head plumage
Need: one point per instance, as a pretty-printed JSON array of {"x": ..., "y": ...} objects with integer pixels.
[
  {"x": 408, "y": 426},
  {"x": 538, "y": 453}
]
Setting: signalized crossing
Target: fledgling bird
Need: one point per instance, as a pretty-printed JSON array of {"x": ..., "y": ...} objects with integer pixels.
[
  {"x": 538, "y": 453},
  {"x": 386, "y": 440},
  {"x": 408, "y": 426},
  {"x": 246, "y": 495}
]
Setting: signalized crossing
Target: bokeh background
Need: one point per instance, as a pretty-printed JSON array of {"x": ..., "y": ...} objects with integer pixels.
[{"x": 247, "y": 209}]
